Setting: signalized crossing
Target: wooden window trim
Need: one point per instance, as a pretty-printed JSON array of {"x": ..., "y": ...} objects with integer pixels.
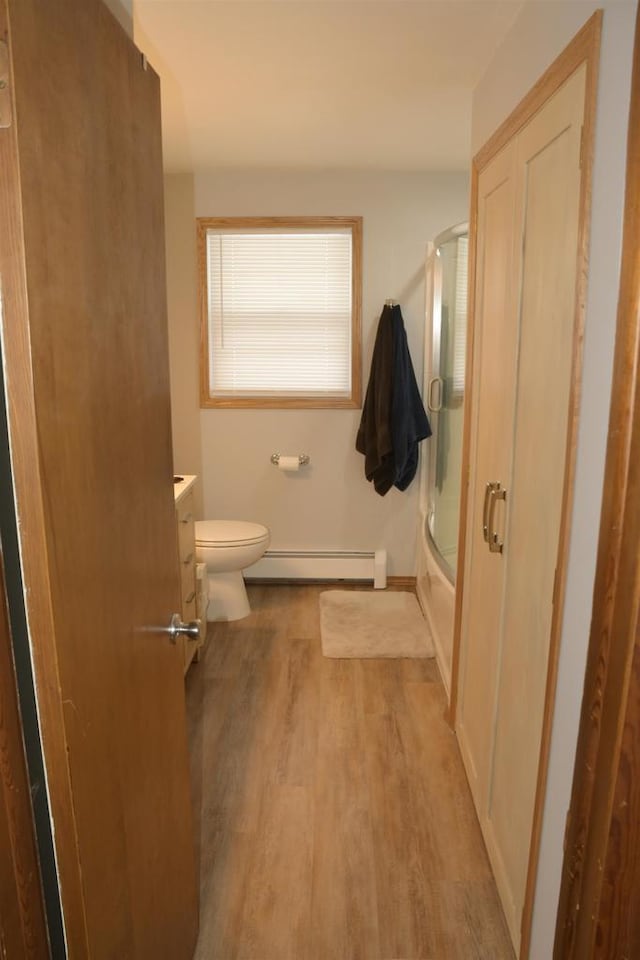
[{"x": 279, "y": 402}]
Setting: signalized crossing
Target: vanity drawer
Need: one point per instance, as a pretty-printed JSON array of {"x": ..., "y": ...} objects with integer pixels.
[
  {"x": 186, "y": 548},
  {"x": 187, "y": 580},
  {"x": 184, "y": 509},
  {"x": 190, "y": 646},
  {"x": 189, "y": 612},
  {"x": 186, "y": 527}
]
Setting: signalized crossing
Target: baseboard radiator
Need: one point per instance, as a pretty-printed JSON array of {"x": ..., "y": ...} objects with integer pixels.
[{"x": 321, "y": 565}]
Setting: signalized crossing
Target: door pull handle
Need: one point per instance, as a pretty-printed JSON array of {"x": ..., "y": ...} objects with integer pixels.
[
  {"x": 488, "y": 490},
  {"x": 495, "y": 544}
]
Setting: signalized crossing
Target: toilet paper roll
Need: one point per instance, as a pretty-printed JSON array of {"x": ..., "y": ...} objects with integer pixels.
[{"x": 289, "y": 464}]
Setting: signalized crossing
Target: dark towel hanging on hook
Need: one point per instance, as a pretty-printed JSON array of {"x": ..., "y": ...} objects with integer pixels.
[{"x": 393, "y": 417}]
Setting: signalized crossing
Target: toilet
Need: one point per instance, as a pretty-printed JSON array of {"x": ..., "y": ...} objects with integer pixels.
[{"x": 228, "y": 547}]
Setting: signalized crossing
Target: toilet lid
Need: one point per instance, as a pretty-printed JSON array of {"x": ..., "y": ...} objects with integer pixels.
[{"x": 229, "y": 533}]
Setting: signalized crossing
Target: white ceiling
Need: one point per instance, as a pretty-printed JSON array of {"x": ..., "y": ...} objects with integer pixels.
[{"x": 380, "y": 84}]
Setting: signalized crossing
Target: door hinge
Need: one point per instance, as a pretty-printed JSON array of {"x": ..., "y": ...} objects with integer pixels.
[
  {"x": 581, "y": 161},
  {"x": 554, "y": 595},
  {"x": 6, "y": 110}
]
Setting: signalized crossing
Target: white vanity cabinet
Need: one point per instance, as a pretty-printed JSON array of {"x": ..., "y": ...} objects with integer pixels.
[{"x": 186, "y": 548}]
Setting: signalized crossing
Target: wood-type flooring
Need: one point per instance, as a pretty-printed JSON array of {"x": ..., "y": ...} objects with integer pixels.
[{"x": 333, "y": 817}]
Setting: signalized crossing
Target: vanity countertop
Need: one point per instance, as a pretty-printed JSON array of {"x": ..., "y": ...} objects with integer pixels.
[{"x": 184, "y": 485}]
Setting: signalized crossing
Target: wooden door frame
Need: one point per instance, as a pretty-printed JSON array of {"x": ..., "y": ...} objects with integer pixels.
[
  {"x": 583, "y": 49},
  {"x": 601, "y": 870},
  {"x": 24, "y": 921},
  {"x": 25, "y": 463}
]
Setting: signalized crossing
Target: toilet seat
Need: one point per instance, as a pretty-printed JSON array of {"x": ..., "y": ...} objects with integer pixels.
[{"x": 229, "y": 533}]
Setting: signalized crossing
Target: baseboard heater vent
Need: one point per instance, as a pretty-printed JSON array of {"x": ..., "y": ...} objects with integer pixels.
[{"x": 321, "y": 565}]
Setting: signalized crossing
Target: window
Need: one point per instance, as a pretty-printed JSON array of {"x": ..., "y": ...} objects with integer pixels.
[{"x": 280, "y": 311}]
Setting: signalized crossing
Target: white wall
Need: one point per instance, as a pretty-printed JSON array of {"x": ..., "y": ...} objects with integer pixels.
[
  {"x": 539, "y": 34},
  {"x": 329, "y": 504}
]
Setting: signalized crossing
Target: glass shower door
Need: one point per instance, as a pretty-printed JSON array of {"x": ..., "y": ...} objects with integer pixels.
[{"x": 445, "y": 393}]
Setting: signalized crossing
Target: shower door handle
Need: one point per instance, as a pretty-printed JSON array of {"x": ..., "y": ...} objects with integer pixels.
[
  {"x": 495, "y": 545},
  {"x": 431, "y": 405}
]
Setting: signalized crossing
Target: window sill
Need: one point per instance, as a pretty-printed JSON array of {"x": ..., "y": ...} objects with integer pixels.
[{"x": 281, "y": 403}]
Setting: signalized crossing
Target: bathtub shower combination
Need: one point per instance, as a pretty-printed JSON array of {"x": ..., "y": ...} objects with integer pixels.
[{"x": 444, "y": 377}]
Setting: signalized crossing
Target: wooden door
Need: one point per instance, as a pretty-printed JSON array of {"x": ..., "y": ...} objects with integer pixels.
[
  {"x": 492, "y": 405},
  {"x": 548, "y": 162},
  {"x": 85, "y": 336},
  {"x": 524, "y": 356}
]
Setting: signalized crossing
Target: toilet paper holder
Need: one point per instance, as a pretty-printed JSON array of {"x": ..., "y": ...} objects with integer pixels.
[{"x": 303, "y": 459}]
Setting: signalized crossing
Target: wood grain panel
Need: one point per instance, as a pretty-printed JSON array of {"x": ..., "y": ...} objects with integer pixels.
[
  {"x": 278, "y": 890},
  {"x": 453, "y": 841},
  {"x": 402, "y": 583},
  {"x": 618, "y": 924},
  {"x": 597, "y": 914},
  {"x": 492, "y": 411},
  {"x": 336, "y": 818},
  {"x": 22, "y": 925},
  {"x": 27, "y": 473},
  {"x": 393, "y": 583},
  {"x": 404, "y": 845},
  {"x": 583, "y": 49},
  {"x": 89, "y": 416},
  {"x": 549, "y": 155},
  {"x": 345, "y": 917}
]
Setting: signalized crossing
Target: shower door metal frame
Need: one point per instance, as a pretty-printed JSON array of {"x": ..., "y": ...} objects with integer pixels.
[{"x": 432, "y": 371}]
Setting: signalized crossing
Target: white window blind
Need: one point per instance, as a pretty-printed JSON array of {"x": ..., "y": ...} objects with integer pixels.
[
  {"x": 279, "y": 312},
  {"x": 460, "y": 320}
]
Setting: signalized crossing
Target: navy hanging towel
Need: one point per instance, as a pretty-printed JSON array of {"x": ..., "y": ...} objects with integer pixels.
[{"x": 393, "y": 417}]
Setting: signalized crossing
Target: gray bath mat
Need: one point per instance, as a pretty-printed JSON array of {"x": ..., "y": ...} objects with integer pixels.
[{"x": 364, "y": 624}]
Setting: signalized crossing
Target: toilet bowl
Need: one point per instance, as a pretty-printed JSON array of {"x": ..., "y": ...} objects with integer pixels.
[{"x": 228, "y": 547}]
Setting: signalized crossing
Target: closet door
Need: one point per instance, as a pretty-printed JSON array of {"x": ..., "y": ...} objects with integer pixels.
[
  {"x": 548, "y": 159},
  {"x": 492, "y": 406},
  {"x": 527, "y": 249}
]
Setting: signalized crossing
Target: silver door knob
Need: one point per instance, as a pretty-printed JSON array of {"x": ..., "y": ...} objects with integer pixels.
[{"x": 177, "y": 628}]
